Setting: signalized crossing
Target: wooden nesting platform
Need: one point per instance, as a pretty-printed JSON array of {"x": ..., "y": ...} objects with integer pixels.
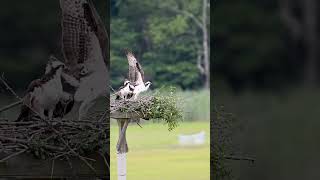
[
  {"x": 25, "y": 166},
  {"x": 123, "y": 119},
  {"x": 126, "y": 115}
]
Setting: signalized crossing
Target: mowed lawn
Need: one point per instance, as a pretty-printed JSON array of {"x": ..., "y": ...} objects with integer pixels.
[{"x": 154, "y": 153}]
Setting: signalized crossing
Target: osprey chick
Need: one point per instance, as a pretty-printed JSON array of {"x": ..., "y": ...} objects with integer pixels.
[
  {"x": 43, "y": 94},
  {"x": 125, "y": 92}
]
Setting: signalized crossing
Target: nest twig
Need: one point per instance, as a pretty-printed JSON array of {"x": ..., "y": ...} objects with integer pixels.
[{"x": 10, "y": 106}]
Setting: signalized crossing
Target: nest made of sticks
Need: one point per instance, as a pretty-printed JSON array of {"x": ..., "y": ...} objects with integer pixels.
[
  {"x": 157, "y": 106},
  {"x": 55, "y": 139}
]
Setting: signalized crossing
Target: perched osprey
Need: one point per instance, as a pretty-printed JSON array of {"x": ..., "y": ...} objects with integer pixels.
[
  {"x": 69, "y": 86},
  {"x": 85, "y": 49},
  {"x": 136, "y": 75},
  {"x": 43, "y": 94},
  {"x": 125, "y": 91}
]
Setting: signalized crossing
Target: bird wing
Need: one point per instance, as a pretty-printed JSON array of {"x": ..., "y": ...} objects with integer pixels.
[
  {"x": 81, "y": 30},
  {"x": 136, "y": 74},
  {"x": 140, "y": 74},
  {"x": 35, "y": 83},
  {"x": 101, "y": 33}
]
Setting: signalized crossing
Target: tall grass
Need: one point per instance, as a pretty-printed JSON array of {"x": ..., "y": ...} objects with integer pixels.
[{"x": 195, "y": 105}]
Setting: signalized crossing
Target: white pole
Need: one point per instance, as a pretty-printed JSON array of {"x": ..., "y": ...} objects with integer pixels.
[{"x": 122, "y": 166}]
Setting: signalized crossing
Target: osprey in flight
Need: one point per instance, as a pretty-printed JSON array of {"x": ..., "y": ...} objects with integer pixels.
[{"x": 136, "y": 75}]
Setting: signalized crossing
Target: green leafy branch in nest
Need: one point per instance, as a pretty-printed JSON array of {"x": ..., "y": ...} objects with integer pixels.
[
  {"x": 165, "y": 107},
  {"x": 158, "y": 106}
]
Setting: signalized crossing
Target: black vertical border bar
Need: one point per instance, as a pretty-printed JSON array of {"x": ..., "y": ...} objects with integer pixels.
[
  {"x": 105, "y": 15},
  {"x": 212, "y": 93}
]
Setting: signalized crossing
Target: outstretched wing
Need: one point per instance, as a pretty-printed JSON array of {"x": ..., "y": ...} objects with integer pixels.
[
  {"x": 101, "y": 33},
  {"x": 135, "y": 74},
  {"x": 81, "y": 30}
]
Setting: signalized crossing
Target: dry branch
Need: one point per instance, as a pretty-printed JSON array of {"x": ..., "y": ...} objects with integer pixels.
[
  {"x": 12, "y": 155},
  {"x": 10, "y": 106},
  {"x": 239, "y": 158},
  {"x": 15, "y": 140}
]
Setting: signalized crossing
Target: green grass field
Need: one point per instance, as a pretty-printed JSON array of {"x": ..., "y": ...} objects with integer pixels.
[{"x": 154, "y": 153}]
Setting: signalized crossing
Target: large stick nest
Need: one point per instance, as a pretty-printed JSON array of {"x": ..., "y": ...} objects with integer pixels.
[
  {"x": 57, "y": 138},
  {"x": 157, "y": 106}
]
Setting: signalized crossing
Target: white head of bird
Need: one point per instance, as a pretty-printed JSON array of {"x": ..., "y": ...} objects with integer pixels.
[
  {"x": 147, "y": 85},
  {"x": 53, "y": 63},
  {"x": 128, "y": 86},
  {"x": 126, "y": 82},
  {"x": 125, "y": 91}
]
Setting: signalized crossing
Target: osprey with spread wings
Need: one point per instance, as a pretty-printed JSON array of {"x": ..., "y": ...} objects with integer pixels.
[
  {"x": 85, "y": 49},
  {"x": 135, "y": 85},
  {"x": 136, "y": 75},
  {"x": 84, "y": 76}
]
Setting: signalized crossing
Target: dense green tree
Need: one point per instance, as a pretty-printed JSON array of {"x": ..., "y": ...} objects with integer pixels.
[{"x": 165, "y": 40}]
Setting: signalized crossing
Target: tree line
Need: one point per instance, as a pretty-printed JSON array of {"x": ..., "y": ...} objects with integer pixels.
[{"x": 170, "y": 38}]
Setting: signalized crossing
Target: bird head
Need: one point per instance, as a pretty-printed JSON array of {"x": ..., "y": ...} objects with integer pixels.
[
  {"x": 128, "y": 53},
  {"x": 53, "y": 63},
  {"x": 131, "y": 87},
  {"x": 126, "y": 82},
  {"x": 57, "y": 64},
  {"x": 83, "y": 70},
  {"x": 148, "y": 83}
]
